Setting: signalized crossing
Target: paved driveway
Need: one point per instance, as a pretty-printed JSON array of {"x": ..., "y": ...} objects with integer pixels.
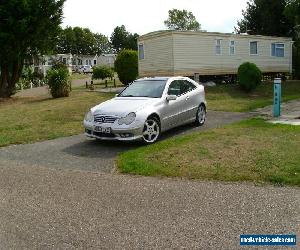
[
  {"x": 59, "y": 194},
  {"x": 80, "y": 153}
]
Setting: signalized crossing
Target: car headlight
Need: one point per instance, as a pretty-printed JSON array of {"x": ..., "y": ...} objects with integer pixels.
[
  {"x": 128, "y": 119},
  {"x": 89, "y": 117}
]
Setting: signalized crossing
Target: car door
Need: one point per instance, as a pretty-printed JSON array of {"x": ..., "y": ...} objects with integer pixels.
[
  {"x": 172, "y": 112},
  {"x": 191, "y": 100}
]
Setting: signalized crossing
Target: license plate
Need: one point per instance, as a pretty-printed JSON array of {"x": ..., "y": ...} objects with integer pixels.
[{"x": 102, "y": 130}]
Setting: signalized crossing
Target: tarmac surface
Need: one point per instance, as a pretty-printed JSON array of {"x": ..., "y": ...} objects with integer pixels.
[
  {"x": 80, "y": 153},
  {"x": 66, "y": 194}
]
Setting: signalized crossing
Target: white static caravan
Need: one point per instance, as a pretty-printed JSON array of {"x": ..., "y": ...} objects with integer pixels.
[{"x": 187, "y": 53}]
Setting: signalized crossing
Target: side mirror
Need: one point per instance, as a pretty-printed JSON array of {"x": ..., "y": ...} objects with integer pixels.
[
  {"x": 171, "y": 97},
  {"x": 116, "y": 95}
]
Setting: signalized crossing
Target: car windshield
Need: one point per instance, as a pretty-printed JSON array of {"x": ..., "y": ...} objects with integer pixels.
[{"x": 144, "y": 88}]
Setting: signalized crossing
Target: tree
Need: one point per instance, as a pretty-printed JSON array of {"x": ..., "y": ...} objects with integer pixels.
[
  {"x": 292, "y": 12},
  {"x": 119, "y": 38},
  {"x": 102, "y": 44},
  {"x": 122, "y": 39},
  {"x": 132, "y": 41},
  {"x": 27, "y": 28},
  {"x": 126, "y": 65},
  {"x": 265, "y": 17},
  {"x": 181, "y": 20},
  {"x": 79, "y": 40},
  {"x": 102, "y": 72}
]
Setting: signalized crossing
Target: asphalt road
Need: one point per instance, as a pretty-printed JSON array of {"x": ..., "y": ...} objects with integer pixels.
[{"x": 60, "y": 194}]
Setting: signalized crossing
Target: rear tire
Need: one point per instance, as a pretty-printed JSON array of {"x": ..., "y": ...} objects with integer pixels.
[
  {"x": 151, "y": 131},
  {"x": 201, "y": 115}
]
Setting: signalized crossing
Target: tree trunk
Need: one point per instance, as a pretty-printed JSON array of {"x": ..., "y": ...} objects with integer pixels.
[{"x": 10, "y": 74}]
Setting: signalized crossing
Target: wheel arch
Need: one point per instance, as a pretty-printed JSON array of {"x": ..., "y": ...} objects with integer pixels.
[{"x": 155, "y": 115}]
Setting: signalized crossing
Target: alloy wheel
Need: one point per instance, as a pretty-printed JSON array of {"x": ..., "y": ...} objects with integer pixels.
[
  {"x": 151, "y": 131},
  {"x": 201, "y": 115}
]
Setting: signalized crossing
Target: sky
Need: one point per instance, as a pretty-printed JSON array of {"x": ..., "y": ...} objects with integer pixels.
[{"x": 141, "y": 16}]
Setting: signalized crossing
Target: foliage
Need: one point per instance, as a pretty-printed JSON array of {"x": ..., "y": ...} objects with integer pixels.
[
  {"x": 58, "y": 80},
  {"x": 102, "y": 72},
  {"x": 126, "y": 65},
  {"x": 181, "y": 20},
  {"x": 122, "y": 39},
  {"x": 265, "y": 17},
  {"x": 292, "y": 12},
  {"x": 30, "y": 78},
  {"x": 82, "y": 41},
  {"x": 296, "y": 61},
  {"x": 27, "y": 28},
  {"x": 249, "y": 76}
]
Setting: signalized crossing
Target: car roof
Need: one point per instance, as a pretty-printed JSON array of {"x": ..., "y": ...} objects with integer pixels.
[{"x": 160, "y": 78}]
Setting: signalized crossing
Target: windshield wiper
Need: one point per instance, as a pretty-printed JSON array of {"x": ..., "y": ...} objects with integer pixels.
[
  {"x": 127, "y": 96},
  {"x": 144, "y": 96}
]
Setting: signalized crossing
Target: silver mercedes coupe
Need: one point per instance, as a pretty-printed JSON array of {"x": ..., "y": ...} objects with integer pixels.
[{"x": 146, "y": 108}]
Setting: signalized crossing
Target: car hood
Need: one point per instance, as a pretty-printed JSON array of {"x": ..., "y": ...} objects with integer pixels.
[{"x": 121, "y": 106}]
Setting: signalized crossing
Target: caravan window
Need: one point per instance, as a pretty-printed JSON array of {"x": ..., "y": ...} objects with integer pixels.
[
  {"x": 231, "y": 47},
  {"x": 141, "y": 51},
  {"x": 253, "y": 48},
  {"x": 218, "y": 46},
  {"x": 278, "y": 49}
]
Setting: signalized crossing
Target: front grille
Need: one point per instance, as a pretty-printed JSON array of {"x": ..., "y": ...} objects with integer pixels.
[
  {"x": 104, "y": 119},
  {"x": 99, "y": 134}
]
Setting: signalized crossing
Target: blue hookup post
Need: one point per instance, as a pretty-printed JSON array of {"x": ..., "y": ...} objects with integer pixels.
[{"x": 277, "y": 97}]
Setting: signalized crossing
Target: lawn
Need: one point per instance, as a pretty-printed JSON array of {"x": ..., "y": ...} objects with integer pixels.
[
  {"x": 251, "y": 150},
  {"x": 231, "y": 98},
  {"x": 77, "y": 76},
  {"x": 25, "y": 120}
]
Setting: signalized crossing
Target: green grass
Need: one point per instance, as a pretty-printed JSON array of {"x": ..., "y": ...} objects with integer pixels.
[
  {"x": 77, "y": 76},
  {"x": 26, "y": 120},
  {"x": 252, "y": 150},
  {"x": 231, "y": 98}
]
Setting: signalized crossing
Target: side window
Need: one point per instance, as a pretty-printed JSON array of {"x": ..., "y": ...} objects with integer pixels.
[
  {"x": 174, "y": 88},
  {"x": 180, "y": 87},
  {"x": 190, "y": 86}
]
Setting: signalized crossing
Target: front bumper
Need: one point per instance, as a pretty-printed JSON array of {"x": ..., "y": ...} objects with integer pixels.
[{"x": 130, "y": 132}]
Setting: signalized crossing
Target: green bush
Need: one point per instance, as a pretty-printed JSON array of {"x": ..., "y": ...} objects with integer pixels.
[
  {"x": 28, "y": 77},
  {"x": 58, "y": 80},
  {"x": 126, "y": 65},
  {"x": 249, "y": 76},
  {"x": 102, "y": 72}
]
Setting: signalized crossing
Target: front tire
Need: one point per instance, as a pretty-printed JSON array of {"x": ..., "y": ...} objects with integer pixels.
[
  {"x": 151, "y": 131},
  {"x": 201, "y": 115}
]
